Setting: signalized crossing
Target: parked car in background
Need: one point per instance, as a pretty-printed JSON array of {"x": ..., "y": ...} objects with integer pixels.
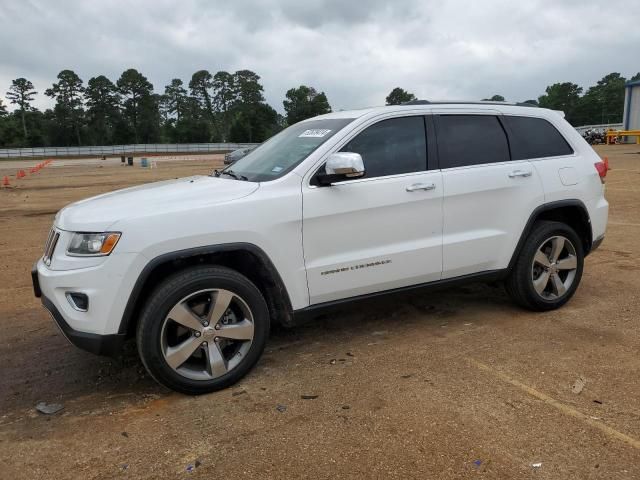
[
  {"x": 236, "y": 155},
  {"x": 335, "y": 208}
]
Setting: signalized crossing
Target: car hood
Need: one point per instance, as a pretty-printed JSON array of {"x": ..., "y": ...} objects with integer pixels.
[{"x": 97, "y": 214}]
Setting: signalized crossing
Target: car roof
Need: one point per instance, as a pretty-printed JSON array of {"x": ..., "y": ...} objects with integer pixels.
[{"x": 428, "y": 106}]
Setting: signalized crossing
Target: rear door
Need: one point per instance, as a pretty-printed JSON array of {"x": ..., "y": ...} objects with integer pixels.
[
  {"x": 488, "y": 197},
  {"x": 382, "y": 231}
]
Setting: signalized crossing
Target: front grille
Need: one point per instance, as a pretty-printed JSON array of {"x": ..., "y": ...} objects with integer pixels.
[
  {"x": 50, "y": 246},
  {"x": 49, "y": 238}
]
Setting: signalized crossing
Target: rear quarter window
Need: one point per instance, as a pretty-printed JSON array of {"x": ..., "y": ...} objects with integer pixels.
[{"x": 534, "y": 138}]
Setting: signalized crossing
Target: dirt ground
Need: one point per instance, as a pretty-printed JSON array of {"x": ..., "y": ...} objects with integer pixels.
[{"x": 454, "y": 384}]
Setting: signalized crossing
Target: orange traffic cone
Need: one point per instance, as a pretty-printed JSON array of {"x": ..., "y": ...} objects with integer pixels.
[{"x": 5, "y": 182}]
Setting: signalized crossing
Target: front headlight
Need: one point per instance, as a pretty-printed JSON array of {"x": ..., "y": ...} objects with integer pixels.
[{"x": 93, "y": 244}]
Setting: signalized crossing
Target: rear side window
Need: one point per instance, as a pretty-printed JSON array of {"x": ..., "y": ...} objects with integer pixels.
[
  {"x": 465, "y": 140},
  {"x": 535, "y": 138},
  {"x": 390, "y": 147}
]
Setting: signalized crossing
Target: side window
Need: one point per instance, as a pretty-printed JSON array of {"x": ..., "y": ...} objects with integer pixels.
[
  {"x": 465, "y": 140},
  {"x": 393, "y": 146},
  {"x": 535, "y": 138}
]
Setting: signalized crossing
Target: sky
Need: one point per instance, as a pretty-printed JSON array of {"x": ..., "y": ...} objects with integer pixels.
[{"x": 355, "y": 51}]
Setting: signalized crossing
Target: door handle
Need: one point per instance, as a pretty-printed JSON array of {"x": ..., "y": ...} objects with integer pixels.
[
  {"x": 421, "y": 186},
  {"x": 520, "y": 173}
]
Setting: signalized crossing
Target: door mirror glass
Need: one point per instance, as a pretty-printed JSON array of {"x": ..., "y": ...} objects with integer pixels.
[{"x": 341, "y": 166}]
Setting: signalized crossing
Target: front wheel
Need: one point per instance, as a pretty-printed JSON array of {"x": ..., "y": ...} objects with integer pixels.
[
  {"x": 203, "y": 329},
  {"x": 548, "y": 269}
]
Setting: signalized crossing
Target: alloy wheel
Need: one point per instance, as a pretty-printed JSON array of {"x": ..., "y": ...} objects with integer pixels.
[
  {"x": 207, "y": 334},
  {"x": 554, "y": 267}
]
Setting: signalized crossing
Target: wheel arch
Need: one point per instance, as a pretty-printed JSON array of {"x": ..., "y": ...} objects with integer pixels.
[
  {"x": 247, "y": 259},
  {"x": 571, "y": 212}
]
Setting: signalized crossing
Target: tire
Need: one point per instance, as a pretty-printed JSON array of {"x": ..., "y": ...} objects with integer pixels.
[
  {"x": 530, "y": 273},
  {"x": 168, "y": 329}
]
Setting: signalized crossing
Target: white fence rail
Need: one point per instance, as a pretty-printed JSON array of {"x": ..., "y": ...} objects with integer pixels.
[{"x": 118, "y": 150}]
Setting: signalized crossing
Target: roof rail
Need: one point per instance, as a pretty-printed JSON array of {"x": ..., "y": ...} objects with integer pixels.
[{"x": 462, "y": 102}]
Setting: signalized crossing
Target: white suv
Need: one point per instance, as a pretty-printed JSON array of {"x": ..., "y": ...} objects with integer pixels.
[{"x": 332, "y": 209}]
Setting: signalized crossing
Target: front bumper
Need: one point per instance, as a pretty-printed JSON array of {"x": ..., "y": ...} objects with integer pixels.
[
  {"x": 95, "y": 331},
  {"x": 596, "y": 243},
  {"x": 91, "y": 342},
  {"x": 36, "y": 281}
]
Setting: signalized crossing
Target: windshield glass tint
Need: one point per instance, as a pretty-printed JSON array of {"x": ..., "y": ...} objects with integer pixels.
[{"x": 284, "y": 151}]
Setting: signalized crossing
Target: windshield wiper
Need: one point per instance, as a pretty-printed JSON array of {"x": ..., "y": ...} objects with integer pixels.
[{"x": 233, "y": 174}]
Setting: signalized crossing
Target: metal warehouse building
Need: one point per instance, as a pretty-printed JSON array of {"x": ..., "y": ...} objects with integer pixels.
[{"x": 631, "y": 117}]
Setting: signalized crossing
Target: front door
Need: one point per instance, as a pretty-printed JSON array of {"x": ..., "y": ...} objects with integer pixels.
[{"x": 381, "y": 231}]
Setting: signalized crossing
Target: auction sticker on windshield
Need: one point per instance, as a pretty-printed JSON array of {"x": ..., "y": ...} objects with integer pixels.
[{"x": 316, "y": 133}]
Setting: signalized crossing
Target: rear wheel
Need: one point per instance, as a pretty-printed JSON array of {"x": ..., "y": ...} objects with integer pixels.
[
  {"x": 548, "y": 269},
  {"x": 203, "y": 329}
]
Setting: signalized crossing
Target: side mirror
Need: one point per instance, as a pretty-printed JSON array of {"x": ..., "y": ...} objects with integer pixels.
[{"x": 340, "y": 166}]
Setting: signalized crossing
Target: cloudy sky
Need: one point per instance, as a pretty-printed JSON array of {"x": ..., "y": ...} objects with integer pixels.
[{"x": 354, "y": 50}]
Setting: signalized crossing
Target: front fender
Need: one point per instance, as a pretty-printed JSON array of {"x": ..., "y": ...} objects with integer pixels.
[{"x": 138, "y": 293}]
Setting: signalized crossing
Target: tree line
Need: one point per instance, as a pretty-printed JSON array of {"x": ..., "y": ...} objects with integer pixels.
[
  {"x": 600, "y": 103},
  {"x": 220, "y": 107}
]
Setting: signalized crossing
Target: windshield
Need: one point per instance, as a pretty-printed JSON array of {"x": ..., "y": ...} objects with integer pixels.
[{"x": 286, "y": 150}]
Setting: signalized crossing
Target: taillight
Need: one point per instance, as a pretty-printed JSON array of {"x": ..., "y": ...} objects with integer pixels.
[{"x": 602, "y": 168}]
